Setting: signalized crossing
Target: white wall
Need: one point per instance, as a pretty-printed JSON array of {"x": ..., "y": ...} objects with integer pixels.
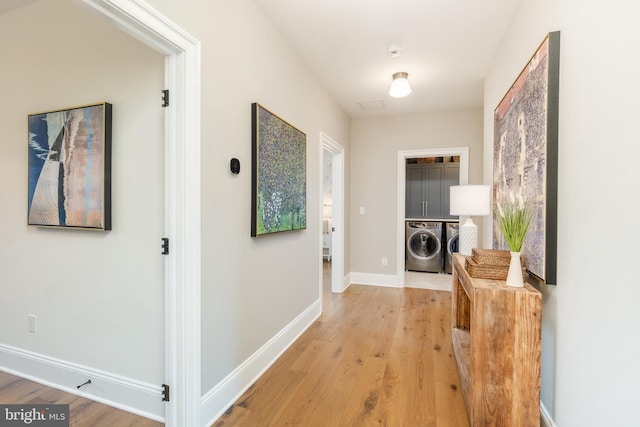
[
  {"x": 251, "y": 287},
  {"x": 375, "y": 143},
  {"x": 98, "y": 296},
  {"x": 590, "y": 345}
]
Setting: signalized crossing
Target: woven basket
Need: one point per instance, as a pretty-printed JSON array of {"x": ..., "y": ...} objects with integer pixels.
[
  {"x": 485, "y": 271},
  {"x": 488, "y": 271},
  {"x": 491, "y": 257},
  {"x": 490, "y": 264}
]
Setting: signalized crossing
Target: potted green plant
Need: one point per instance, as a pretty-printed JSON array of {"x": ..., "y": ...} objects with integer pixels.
[{"x": 514, "y": 218}]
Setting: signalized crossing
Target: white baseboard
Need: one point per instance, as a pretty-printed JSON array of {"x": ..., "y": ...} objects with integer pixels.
[
  {"x": 346, "y": 282},
  {"x": 114, "y": 390},
  {"x": 386, "y": 280},
  {"x": 217, "y": 400},
  {"x": 545, "y": 417}
]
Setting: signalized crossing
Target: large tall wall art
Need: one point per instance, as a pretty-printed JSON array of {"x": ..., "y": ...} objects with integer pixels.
[
  {"x": 279, "y": 177},
  {"x": 525, "y": 156},
  {"x": 70, "y": 168}
]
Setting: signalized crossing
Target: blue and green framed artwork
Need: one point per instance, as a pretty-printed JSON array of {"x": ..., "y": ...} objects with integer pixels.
[
  {"x": 70, "y": 168},
  {"x": 279, "y": 178}
]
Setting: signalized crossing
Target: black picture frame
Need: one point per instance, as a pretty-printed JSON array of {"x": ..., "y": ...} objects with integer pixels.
[
  {"x": 525, "y": 156},
  {"x": 278, "y": 170},
  {"x": 69, "y": 168}
]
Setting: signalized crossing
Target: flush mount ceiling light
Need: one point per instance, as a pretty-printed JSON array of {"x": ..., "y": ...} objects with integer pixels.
[{"x": 400, "y": 85}]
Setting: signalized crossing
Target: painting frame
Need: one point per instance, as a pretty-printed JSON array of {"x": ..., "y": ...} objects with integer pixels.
[
  {"x": 279, "y": 174},
  {"x": 525, "y": 156},
  {"x": 69, "y": 168}
]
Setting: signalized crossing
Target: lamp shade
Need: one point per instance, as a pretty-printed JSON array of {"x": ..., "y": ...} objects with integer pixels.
[
  {"x": 469, "y": 200},
  {"x": 400, "y": 85}
]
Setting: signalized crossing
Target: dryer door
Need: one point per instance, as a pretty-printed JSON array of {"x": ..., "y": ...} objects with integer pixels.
[
  {"x": 423, "y": 245},
  {"x": 452, "y": 247}
]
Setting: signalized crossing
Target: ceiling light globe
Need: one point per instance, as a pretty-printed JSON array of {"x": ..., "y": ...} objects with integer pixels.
[{"x": 400, "y": 85}]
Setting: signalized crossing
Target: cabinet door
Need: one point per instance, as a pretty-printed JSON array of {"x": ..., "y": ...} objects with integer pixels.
[
  {"x": 451, "y": 177},
  {"x": 414, "y": 198},
  {"x": 433, "y": 189}
]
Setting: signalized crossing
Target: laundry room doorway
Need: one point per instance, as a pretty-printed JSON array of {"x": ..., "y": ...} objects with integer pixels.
[{"x": 403, "y": 156}]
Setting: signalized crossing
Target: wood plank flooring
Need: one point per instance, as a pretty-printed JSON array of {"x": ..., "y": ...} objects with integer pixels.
[
  {"x": 82, "y": 412},
  {"x": 376, "y": 357}
]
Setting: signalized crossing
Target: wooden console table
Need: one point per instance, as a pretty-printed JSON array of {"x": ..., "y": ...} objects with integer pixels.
[{"x": 496, "y": 339}]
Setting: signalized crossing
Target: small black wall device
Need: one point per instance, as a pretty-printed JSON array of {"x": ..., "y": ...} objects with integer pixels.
[{"x": 235, "y": 166}]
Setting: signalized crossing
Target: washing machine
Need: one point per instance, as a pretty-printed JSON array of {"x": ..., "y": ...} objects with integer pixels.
[
  {"x": 424, "y": 246},
  {"x": 452, "y": 229}
]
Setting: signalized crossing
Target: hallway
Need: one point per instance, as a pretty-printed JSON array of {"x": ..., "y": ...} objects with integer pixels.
[{"x": 376, "y": 356}]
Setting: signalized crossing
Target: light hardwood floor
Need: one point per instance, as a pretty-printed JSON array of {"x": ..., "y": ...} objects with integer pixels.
[
  {"x": 376, "y": 357},
  {"x": 82, "y": 412}
]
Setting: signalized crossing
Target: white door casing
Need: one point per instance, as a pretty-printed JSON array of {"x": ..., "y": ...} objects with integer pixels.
[
  {"x": 337, "y": 218},
  {"x": 182, "y": 198}
]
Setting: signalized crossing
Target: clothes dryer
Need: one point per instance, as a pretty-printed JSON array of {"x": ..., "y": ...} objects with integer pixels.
[
  {"x": 424, "y": 246},
  {"x": 452, "y": 229}
]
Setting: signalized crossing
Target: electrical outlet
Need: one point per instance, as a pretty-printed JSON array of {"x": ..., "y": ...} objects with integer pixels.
[
  {"x": 361, "y": 210},
  {"x": 385, "y": 261},
  {"x": 32, "y": 323}
]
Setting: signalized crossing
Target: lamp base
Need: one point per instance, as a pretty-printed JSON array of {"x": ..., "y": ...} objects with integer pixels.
[{"x": 468, "y": 235}]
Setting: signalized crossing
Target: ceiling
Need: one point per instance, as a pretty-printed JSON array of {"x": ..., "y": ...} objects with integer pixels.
[
  {"x": 446, "y": 47},
  {"x": 7, "y": 5}
]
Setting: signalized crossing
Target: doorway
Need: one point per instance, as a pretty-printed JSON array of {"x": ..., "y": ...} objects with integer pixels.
[
  {"x": 403, "y": 156},
  {"x": 182, "y": 198},
  {"x": 332, "y": 207}
]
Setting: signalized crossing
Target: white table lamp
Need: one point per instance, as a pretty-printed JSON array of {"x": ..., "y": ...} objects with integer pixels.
[{"x": 469, "y": 200}]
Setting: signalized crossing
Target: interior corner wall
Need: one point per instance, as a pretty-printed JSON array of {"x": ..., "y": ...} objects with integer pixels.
[
  {"x": 98, "y": 296},
  {"x": 590, "y": 372},
  {"x": 375, "y": 143},
  {"x": 252, "y": 288}
]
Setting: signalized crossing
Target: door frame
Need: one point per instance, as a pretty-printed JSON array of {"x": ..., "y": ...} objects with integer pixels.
[
  {"x": 337, "y": 215},
  {"x": 182, "y": 198},
  {"x": 463, "y": 152}
]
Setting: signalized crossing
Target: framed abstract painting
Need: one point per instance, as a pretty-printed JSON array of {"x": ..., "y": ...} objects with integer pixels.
[
  {"x": 279, "y": 177},
  {"x": 69, "y": 168},
  {"x": 525, "y": 156}
]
